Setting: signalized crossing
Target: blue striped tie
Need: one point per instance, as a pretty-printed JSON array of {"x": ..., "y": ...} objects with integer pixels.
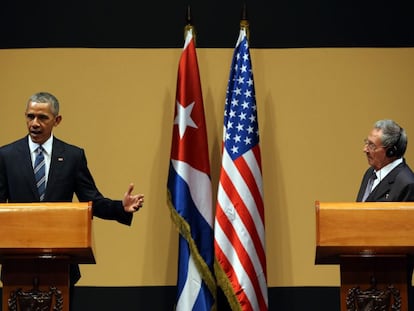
[{"x": 39, "y": 171}]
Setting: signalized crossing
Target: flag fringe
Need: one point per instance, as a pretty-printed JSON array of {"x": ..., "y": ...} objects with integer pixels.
[
  {"x": 184, "y": 229},
  {"x": 224, "y": 283}
]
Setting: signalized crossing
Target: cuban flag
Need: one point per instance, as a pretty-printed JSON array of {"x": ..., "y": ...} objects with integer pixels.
[{"x": 189, "y": 188}]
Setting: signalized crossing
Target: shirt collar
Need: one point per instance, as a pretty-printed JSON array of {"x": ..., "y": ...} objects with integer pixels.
[
  {"x": 47, "y": 145},
  {"x": 388, "y": 168}
]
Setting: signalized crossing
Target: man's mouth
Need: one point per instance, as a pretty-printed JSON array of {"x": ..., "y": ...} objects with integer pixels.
[{"x": 35, "y": 133}]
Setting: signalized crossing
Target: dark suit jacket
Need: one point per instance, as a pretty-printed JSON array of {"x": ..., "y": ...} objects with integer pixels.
[
  {"x": 397, "y": 186},
  {"x": 68, "y": 175}
]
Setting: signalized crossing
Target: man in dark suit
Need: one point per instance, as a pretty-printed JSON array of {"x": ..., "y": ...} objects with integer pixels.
[
  {"x": 66, "y": 171},
  {"x": 389, "y": 178}
]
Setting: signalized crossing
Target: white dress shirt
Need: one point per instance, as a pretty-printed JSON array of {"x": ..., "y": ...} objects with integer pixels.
[{"x": 385, "y": 171}]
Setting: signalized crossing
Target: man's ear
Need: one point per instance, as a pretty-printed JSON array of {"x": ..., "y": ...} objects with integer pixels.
[{"x": 57, "y": 120}]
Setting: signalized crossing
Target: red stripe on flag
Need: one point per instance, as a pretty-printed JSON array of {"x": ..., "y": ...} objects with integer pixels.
[
  {"x": 244, "y": 258},
  {"x": 243, "y": 211},
  {"x": 227, "y": 266},
  {"x": 257, "y": 155},
  {"x": 234, "y": 238}
]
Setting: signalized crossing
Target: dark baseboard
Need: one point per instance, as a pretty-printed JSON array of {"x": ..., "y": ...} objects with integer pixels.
[{"x": 162, "y": 298}]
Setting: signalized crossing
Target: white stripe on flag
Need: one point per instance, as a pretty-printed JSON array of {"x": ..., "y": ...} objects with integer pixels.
[
  {"x": 241, "y": 273},
  {"x": 191, "y": 288},
  {"x": 243, "y": 190},
  {"x": 199, "y": 184},
  {"x": 244, "y": 237}
]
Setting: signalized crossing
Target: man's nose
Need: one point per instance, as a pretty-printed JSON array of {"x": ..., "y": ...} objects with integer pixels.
[{"x": 35, "y": 122}]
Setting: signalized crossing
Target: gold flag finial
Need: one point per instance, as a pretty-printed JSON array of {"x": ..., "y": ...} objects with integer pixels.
[
  {"x": 189, "y": 23},
  {"x": 244, "y": 22}
]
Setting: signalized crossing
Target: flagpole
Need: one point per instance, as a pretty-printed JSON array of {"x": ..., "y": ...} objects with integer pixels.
[
  {"x": 244, "y": 22},
  {"x": 189, "y": 24}
]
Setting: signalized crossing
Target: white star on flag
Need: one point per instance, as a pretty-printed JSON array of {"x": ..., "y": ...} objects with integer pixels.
[{"x": 183, "y": 118}]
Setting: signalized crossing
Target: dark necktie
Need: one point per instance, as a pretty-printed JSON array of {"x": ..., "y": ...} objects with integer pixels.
[
  {"x": 39, "y": 171},
  {"x": 369, "y": 186}
]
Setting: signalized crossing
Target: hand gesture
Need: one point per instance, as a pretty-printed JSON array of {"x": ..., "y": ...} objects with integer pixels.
[{"x": 132, "y": 203}]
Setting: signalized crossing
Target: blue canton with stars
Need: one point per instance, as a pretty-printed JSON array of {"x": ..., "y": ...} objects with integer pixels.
[{"x": 240, "y": 113}]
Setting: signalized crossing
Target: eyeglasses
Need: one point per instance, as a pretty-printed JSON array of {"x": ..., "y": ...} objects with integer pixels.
[{"x": 371, "y": 146}]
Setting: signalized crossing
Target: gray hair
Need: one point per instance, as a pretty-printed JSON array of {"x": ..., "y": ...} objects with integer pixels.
[
  {"x": 392, "y": 135},
  {"x": 44, "y": 97}
]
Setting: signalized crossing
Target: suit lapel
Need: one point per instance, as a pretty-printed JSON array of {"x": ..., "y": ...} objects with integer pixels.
[
  {"x": 383, "y": 188},
  {"x": 24, "y": 161},
  {"x": 56, "y": 160},
  {"x": 364, "y": 184}
]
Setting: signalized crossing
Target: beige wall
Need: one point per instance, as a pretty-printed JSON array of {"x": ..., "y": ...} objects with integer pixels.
[{"x": 315, "y": 108}]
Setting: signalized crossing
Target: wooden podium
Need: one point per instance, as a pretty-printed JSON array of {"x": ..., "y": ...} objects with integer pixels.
[
  {"x": 373, "y": 242},
  {"x": 38, "y": 242}
]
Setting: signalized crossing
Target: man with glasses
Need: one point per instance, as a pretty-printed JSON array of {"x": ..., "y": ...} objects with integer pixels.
[{"x": 389, "y": 178}]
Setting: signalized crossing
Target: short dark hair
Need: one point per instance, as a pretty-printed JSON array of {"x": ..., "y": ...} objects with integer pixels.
[{"x": 44, "y": 97}]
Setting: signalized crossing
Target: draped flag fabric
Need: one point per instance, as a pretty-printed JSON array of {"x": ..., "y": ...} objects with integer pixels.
[
  {"x": 189, "y": 189},
  {"x": 239, "y": 228}
]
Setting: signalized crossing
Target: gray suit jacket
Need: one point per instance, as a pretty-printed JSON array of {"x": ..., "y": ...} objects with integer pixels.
[
  {"x": 68, "y": 175},
  {"x": 397, "y": 186}
]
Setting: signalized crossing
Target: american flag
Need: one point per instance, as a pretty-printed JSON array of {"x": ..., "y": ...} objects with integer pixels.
[
  {"x": 239, "y": 224},
  {"x": 189, "y": 189}
]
